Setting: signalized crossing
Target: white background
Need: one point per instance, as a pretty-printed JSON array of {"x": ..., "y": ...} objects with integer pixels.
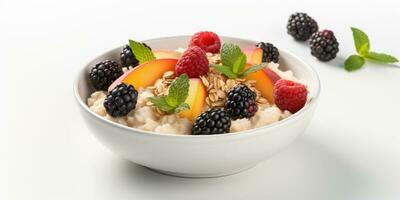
[{"x": 350, "y": 151}]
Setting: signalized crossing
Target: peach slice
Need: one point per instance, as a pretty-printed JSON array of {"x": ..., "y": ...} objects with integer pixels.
[
  {"x": 196, "y": 99},
  {"x": 146, "y": 74},
  {"x": 166, "y": 54},
  {"x": 265, "y": 80},
  {"x": 254, "y": 55}
]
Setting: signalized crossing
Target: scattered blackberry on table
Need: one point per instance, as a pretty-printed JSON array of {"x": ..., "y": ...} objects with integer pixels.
[
  {"x": 212, "y": 121},
  {"x": 270, "y": 52},
  {"x": 241, "y": 102},
  {"x": 301, "y": 26},
  {"x": 324, "y": 45},
  {"x": 121, "y": 100},
  {"x": 104, "y": 73},
  {"x": 128, "y": 58}
]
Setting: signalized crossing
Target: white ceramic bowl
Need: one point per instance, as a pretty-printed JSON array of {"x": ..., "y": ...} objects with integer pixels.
[{"x": 198, "y": 156}]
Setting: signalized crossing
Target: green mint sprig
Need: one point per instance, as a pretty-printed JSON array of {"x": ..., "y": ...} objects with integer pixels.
[
  {"x": 142, "y": 53},
  {"x": 174, "y": 102},
  {"x": 362, "y": 44},
  {"x": 233, "y": 61}
]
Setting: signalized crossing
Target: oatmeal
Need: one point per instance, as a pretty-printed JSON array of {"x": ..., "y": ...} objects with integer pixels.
[{"x": 197, "y": 91}]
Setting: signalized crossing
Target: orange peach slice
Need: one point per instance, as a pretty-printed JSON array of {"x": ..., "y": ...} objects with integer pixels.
[
  {"x": 146, "y": 74},
  {"x": 265, "y": 80},
  {"x": 196, "y": 99},
  {"x": 159, "y": 54},
  {"x": 253, "y": 55}
]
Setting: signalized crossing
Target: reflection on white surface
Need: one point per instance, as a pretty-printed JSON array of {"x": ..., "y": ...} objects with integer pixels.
[{"x": 304, "y": 171}]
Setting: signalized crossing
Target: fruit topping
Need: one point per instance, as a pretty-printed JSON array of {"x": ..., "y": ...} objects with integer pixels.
[
  {"x": 324, "y": 45},
  {"x": 159, "y": 54},
  {"x": 212, "y": 121},
  {"x": 270, "y": 52},
  {"x": 233, "y": 62},
  {"x": 301, "y": 26},
  {"x": 174, "y": 101},
  {"x": 128, "y": 58},
  {"x": 241, "y": 102},
  {"x": 121, "y": 100},
  {"x": 193, "y": 62},
  {"x": 146, "y": 74},
  {"x": 264, "y": 82},
  {"x": 289, "y": 95},
  {"x": 104, "y": 73},
  {"x": 196, "y": 99},
  {"x": 206, "y": 40},
  {"x": 253, "y": 55}
]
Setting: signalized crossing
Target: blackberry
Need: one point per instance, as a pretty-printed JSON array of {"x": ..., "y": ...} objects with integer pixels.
[
  {"x": 212, "y": 121},
  {"x": 270, "y": 52},
  {"x": 324, "y": 45},
  {"x": 104, "y": 73},
  {"x": 128, "y": 58},
  {"x": 121, "y": 100},
  {"x": 241, "y": 102},
  {"x": 301, "y": 26}
]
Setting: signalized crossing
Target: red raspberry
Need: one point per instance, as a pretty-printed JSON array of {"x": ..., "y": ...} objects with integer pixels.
[
  {"x": 289, "y": 95},
  {"x": 193, "y": 62},
  {"x": 206, "y": 40}
]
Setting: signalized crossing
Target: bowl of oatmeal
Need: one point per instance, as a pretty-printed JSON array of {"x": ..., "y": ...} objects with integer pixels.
[{"x": 189, "y": 110}]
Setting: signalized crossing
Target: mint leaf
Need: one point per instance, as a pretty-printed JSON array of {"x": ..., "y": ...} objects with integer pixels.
[
  {"x": 178, "y": 91},
  {"x": 239, "y": 64},
  {"x": 353, "y": 63},
  {"x": 361, "y": 41},
  {"x": 254, "y": 68},
  {"x": 142, "y": 53},
  {"x": 381, "y": 57},
  {"x": 174, "y": 102},
  {"x": 233, "y": 61},
  {"x": 229, "y": 54},
  {"x": 225, "y": 70},
  {"x": 161, "y": 103}
]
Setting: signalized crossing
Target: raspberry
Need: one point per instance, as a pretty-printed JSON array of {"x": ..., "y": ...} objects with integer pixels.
[
  {"x": 193, "y": 62},
  {"x": 289, "y": 95},
  {"x": 206, "y": 40}
]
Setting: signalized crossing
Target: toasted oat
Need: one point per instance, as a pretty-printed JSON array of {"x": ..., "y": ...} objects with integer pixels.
[
  {"x": 161, "y": 85},
  {"x": 205, "y": 81},
  {"x": 216, "y": 84},
  {"x": 169, "y": 75},
  {"x": 262, "y": 100},
  {"x": 221, "y": 94},
  {"x": 213, "y": 58},
  {"x": 218, "y": 87}
]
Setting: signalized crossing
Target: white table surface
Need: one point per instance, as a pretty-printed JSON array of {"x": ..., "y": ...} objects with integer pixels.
[{"x": 351, "y": 150}]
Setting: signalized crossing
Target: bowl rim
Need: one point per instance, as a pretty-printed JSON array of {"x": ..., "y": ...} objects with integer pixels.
[{"x": 240, "y": 134}]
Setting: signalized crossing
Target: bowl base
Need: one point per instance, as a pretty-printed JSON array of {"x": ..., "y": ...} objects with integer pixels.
[{"x": 200, "y": 175}]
